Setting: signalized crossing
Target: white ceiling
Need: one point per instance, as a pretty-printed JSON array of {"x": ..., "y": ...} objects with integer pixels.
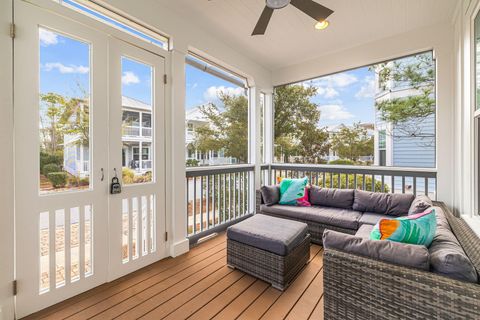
[{"x": 291, "y": 37}]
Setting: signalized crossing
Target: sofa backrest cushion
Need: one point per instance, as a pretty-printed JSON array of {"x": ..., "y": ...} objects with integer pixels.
[
  {"x": 336, "y": 198},
  {"x": 447, "y": 256},
  {"x": 393, "y": 204},
  {"x": 402, "y": 254},
  {"x": 420, "y": 204},
  {"x": 270, "y": 194}
]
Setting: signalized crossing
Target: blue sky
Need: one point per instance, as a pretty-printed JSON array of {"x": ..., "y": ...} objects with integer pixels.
[
  {"x": 345, "y": 97},
  {"x": 65, "y": 69}
]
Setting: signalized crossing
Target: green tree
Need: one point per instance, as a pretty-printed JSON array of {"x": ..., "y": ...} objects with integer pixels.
[
  {"x": 227, "y": 129},
  {"x": 352, "y": 142},
  {"x": 296, "y": 125},
  {"x": 408, "y": 113}
]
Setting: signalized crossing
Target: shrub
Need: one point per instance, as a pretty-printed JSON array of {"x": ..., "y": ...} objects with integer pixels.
[
  {"x": 47, "y": 158},
  {"x": 84, "y": 182},
  {"x": 127, "y": 175},
  {"x": 192, "y": 163},
  {"x": 345, "y": 162},
  {"x": 58, "y": 179},
  {"x": 351, "y": 182},
  {"x": 49, "y": 168}
]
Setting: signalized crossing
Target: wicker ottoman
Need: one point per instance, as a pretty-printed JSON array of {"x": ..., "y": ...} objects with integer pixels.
[{"x": 269, "y": 248}]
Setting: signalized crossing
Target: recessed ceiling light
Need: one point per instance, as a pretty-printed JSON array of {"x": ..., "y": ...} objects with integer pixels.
[{"x": 321, "y": 25}]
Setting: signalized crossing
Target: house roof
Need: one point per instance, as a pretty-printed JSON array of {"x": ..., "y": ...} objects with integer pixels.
[{"x": 128, "y": 102}]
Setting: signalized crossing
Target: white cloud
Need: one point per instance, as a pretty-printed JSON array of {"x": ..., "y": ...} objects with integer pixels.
[
  {"x": 66, "y": 69},
  {"x": 327, "y": 87},
  {"x": 341, "y": 79},
  {"x": 47, "y": 37},
  {"x": 334, "y": 112},
  {"x": 327, "y": 92},
  {"x": 212, "y": 93},
  {"x": 128, "y": 77},
  {"x": 368, "y": 88}
]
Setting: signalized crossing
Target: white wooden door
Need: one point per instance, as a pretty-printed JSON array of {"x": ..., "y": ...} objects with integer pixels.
[
  {"x": 86, "y": 104},
  {"x": 137, "y": 157},
  {"x": 61, "y": 112}
]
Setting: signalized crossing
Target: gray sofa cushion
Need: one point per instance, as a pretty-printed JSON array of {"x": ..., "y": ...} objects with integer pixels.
[
  {"x": 408, "y": 255},
  {"x": 342, "y": 218},
  {"x": 394, "y": 204},
  {"x": 446, "y": 254},
  {"x": 364, "y": 231},
  {"x": 272, "y": 234},
  {"x": 336, "y": 198},
  {"x": 270, "y": 194},
  {"x": 371, "y": 218},
  {"x": 420, "y": 204}
]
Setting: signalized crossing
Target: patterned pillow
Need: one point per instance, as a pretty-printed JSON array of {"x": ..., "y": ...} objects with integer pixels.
[
  {"x": 293, "y": 192},
  {"x": 414, "y": 229}
]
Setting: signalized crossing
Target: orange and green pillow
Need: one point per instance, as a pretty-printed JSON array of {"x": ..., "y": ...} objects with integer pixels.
[{"x": 414, "y": 229}]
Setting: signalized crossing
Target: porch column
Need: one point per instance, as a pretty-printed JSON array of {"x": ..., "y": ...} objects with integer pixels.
[{"x": 176, "y": 203}]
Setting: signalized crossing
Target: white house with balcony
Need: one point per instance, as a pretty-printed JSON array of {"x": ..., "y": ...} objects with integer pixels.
[
  {"x": 194, "y": 118},
  {"x": 136, "y": 139}
]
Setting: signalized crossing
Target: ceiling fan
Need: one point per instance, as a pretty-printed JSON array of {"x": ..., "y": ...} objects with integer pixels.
[{"x": 309, "y": 7}]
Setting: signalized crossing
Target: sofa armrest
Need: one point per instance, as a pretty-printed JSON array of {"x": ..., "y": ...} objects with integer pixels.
[
  {"x": 357, "y": 287},
  {"x": 408, "y": 255}
]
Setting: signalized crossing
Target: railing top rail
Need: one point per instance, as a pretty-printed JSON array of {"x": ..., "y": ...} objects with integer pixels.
[
  {"x": 209, "y": 170},
  {"x": 376, "y": 170}
]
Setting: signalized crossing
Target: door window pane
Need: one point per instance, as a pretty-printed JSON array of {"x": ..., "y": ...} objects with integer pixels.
[
  {"x": 64, "y": 114},
  {"x": 137, "y": 138}
]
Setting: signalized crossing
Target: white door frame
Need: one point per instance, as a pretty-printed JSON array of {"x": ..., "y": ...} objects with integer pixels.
[
  {"x": 32, "y": 303},
  {"x": 119, "y": 49}
]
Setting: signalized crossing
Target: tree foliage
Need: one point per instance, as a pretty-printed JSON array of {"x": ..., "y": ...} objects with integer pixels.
[
  {"x": 62, "y": 116},
  {"x": 296, "y": 125},
  {"x": 352, "y": 142},
  {"x": 227, "y": 128},
  {"x": 408, "y": 113}
]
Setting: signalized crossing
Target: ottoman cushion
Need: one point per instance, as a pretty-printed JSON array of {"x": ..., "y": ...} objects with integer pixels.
[{"x": 276, "y": 235}]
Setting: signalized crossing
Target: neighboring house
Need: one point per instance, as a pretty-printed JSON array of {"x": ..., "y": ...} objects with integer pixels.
[
  {"x": 395, "y": 146},
  {"x": 136, "y": 139},
  {"x": 194, "y": 118},
  {"x": 332, "y": 130}
]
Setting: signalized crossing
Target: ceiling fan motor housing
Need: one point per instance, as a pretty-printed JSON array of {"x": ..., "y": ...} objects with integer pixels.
[{"x": 277, "y": 4}]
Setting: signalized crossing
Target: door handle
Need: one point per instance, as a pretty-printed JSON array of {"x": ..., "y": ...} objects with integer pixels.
[{"x": 103, "y": 175}]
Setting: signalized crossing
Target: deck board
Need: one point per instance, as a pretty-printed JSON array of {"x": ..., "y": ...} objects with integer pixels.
[{"x": 198, "y": 285}]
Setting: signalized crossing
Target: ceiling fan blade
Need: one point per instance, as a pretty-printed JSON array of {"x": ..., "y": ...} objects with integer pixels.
[
  {"x": 313, "y": 9},
  {"x": 262, "y": 23}
]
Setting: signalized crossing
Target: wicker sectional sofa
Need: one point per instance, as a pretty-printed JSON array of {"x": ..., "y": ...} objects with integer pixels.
[{"x": 386, "y": 280}]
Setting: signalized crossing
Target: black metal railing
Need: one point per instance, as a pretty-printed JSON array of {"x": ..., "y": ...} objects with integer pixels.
[
  {"x": 380, "y": 179},
  {"x": 218, "y": 197}
]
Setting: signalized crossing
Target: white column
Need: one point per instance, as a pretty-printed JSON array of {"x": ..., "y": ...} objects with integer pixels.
[
  {"x": 6, "y": 161},
  {"x": 176, "y": 206}
]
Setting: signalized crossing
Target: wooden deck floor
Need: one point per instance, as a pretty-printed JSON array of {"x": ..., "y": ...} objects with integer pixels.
[{"x": 198, "y": 285}]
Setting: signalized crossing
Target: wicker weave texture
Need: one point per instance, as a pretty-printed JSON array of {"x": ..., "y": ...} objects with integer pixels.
[
  {"x": 272, "y": 268},
  {"x": 360, "y": 288}
]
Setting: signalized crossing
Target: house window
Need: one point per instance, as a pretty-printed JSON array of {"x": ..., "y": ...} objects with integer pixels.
[
  {"x": 342, "y": 113},
  {"x": 146, "y": 120},
  {"x": 131, "y": 118},
  {"x": 382, "y": 145},
  {"x": 217, "y": 102}
]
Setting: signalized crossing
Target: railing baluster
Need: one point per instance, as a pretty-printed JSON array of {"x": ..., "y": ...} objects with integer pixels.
[
  {"x": 224, "y": 197},
  {"x": 364, "y": 183},
  {"x": 373, "y": 183},
  {"x": 194, "y": 205},
  {"x": 323, "y": 177},
  {"x": 214, "y": 199},
  {"x": 355, "y": 181},
  {"x": 339, "y": 181},
  {"x": 426, "y": 186},
  {"x": 415, "y": 186},
  {"x": 208, "y": 201},
  {"x": 201, "y": 203},
  {"x": 188, "y": 204},
  {"x": 393, "y": 183},
  {"x": 403, "y": 184}
]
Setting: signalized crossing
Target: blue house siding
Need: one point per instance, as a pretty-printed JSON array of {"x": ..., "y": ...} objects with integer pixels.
[{"x": 415, "y": 151}]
